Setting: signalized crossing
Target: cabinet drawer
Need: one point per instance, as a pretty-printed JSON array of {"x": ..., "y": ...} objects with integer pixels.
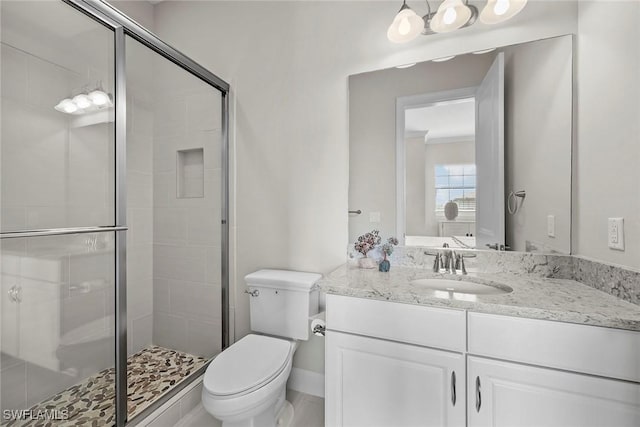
[
  {"x": 594, "y": 350},
  {"x": 413, "y": 324}
]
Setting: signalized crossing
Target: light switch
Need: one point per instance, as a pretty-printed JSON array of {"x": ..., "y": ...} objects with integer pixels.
[
  {"x": 374, "y": 216},
  {"x": 615, "y": 234},
  {"x": 551, "y": 225}
]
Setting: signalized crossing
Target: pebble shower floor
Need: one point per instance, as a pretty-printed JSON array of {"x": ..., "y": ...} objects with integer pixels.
[{"x": 151, "y": 373}]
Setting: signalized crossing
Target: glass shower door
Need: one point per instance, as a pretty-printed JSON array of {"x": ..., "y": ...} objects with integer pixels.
[
  {"x": 174, "y": 180},
  {"x": 57, "y": 173}
]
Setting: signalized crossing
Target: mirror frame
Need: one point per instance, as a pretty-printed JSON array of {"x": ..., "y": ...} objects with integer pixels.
[{"x": 402, "y": 104}]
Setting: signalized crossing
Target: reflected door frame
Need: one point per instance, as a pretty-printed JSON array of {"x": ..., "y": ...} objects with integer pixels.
[{"x": 404, "y": 103}]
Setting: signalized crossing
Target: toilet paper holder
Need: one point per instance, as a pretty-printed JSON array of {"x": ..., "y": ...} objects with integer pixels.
[
  {"x": 318, "y": 325},
  {"x": 319, "y": 330}
]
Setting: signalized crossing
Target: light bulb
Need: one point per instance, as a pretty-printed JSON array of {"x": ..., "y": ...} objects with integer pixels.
[
  {"x": 82, "y": 101},
  {"x": 497, "y": 11},
  {"x": 501, "y": 7},
  {"x": 404, "y": 27},
  {"x": 99, "y": 98},
  {"x": 70, "y": 107},
  {"x": 66, "y": 106},
  {"x": 450, "y": 16}
]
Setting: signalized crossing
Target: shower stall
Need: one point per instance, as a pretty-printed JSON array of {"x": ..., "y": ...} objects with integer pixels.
[{"x": 113, "y": 216}]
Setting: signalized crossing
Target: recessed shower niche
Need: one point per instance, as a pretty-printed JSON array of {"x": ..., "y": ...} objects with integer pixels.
[{"x": 190, "y": 173}]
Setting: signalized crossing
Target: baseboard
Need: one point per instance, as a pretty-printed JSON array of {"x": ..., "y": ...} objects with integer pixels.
[{"x": 305, "y": 381}]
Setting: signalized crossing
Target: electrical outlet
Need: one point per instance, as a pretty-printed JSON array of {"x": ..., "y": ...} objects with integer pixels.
[
  {"x": 615, "y": 235},
  {"x": 374, "y": 216},
  {"x": 551, "y": 225}
]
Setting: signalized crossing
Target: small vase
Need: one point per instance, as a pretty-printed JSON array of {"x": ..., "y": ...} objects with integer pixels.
[
  {"x": 451, "y": 210},
  {"x": 384, "y": 265},
  {"x": 367, "y": 263}
]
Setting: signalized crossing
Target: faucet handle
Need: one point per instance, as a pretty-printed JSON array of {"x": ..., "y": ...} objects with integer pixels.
[
  {"x": 436, "y": 263},
  {"x": 454, "y": 262}
]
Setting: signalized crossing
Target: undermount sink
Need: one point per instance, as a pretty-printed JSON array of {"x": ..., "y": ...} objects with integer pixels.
[{"x": 462, "y": 286}]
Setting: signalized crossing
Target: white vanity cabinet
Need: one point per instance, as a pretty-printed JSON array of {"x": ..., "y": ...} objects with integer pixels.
[
  {"x": 393, "y": 364},
  {"x": 390, "y": 364}
]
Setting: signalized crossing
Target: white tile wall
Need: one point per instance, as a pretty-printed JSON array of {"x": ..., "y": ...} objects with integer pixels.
[
  {"x": 186, "y": 261},
  {"x": 139, "y": 217}
]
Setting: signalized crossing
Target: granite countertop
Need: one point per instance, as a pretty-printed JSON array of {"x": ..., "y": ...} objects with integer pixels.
[{"x": 532, "y": 297}]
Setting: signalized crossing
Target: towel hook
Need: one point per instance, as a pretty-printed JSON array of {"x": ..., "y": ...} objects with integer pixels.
[{"x": 514, "y": 195}]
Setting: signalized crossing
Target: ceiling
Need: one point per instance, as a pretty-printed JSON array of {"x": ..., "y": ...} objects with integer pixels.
[{"x": 442, "y": 122}]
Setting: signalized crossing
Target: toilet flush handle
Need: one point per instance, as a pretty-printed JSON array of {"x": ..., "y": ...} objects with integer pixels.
[{"x": 253, "y": 293}]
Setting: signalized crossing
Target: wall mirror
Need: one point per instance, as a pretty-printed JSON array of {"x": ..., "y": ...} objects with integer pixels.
[{"x": 473, "y": 151}]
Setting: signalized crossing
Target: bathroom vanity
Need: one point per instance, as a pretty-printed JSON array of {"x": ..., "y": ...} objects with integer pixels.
[{"x": 551, "y": 352}]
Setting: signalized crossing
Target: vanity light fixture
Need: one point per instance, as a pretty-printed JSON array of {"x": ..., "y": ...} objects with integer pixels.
[
  {"x": 405, "y": 26},
  {"x": 66, "y": 106},
  {"x": 497, "y": 11},
  {"x": 85, "y": 102},
  {"x": 450, "y": 16}
]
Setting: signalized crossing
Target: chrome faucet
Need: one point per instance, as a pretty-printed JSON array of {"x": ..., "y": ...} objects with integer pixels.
[{"x": 448, "y": 260}]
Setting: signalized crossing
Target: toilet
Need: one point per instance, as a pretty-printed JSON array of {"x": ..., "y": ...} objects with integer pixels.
[{"x": 244, "y": 386}]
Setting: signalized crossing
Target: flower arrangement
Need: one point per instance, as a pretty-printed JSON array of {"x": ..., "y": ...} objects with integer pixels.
[
  {"x": 367, "y": 242},
  {"x": 387, "y": 248}
]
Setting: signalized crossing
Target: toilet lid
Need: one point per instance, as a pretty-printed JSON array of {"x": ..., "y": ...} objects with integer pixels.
[{"x": 246, "y": 365}]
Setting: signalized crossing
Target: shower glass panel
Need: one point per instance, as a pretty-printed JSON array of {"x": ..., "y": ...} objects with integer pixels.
[
  {"x": 57, "y": 292},
  {"x": 57, "y": 143},
  {"x": 57, "y": 318},
  {"x": 174, "y": 151}
]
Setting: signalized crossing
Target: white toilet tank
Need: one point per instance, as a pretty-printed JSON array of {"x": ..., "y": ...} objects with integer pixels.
[{"x": 282, "y": 301}]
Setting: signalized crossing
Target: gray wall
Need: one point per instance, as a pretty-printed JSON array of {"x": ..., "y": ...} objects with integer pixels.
[
  {"x": 538, "y": 123},
  {"x": 608, "y": 136}
]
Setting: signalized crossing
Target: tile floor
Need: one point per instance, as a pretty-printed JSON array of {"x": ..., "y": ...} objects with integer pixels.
[
  {"x": 308, "y": 412},
  {"x": 151, "y": 373}
]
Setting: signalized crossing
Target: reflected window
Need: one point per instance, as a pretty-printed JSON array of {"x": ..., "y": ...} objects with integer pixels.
[{"x": 456, "y": 183}]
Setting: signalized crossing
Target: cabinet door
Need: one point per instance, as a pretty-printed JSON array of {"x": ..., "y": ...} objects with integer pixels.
[
  {"x": 510, "y": 394},
  {"x": 373, "y": 382}
]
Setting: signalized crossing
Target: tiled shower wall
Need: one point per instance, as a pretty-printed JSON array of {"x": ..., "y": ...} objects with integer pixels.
[
  {"x": 186, "y": 250},
  {"x": 140, "y": 119}
]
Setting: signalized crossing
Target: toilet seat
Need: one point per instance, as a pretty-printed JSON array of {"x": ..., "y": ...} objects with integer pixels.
[{"x": 247, "y": 365}]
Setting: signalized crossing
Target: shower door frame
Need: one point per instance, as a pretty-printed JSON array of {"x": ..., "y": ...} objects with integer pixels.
[{"x": 124, "y": 26}]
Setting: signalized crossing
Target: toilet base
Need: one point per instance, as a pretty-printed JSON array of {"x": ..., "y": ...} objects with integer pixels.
[
  {"x": 278, "y": 414},
  {"x": 284, "y": 417}
]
